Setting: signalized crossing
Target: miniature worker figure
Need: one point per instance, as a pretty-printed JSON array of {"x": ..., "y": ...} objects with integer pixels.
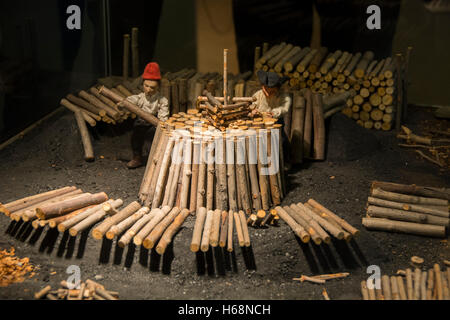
[
  {"x": 274, "y": 103},
  {"x": 269, "y": 99},
  {"x": 150, "y": 101}
]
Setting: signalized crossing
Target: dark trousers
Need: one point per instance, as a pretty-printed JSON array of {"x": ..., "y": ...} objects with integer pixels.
[{"x": 139, "y": 135}]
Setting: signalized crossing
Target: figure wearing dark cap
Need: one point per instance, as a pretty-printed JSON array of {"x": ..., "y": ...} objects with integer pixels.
[
  {"x": 150, "y": 101},
  {"x": 270, "y": 99}
]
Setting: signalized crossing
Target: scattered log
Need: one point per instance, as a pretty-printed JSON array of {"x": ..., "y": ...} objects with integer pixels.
[
  {"x": 230, "y": 231},
  {"x": 298, "y": 229},
  {"x": 133, "y": 223},
  {"x": 378, "y": 193},
  {"x": 168, "y": 234},
  {"x": 156, "y": 215},
  {"x": 239, "y": 231},
  {"x": 403, "y": 227},
  {"x": 198, "y": 228},
  {"x": 85, "y": 138},
  {"x": 154, "y": 236},
  {"x": 408, "y": 207},
  {"x": 244, "y": 228}
]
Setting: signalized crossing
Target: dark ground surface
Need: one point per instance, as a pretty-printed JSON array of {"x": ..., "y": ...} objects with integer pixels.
[{"x": 51, "y": 157}]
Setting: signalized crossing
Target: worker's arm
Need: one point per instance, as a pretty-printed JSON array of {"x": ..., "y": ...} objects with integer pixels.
[
  {"x": 285, "y": 104},
  {"x": 163, "y": 111}
]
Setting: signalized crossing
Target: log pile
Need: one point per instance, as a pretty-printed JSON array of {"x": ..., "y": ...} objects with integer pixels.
[
  {"x": 410, "y": 284},
  {"x": 87, "y": 290},
  {"x": 434, "y": 147},
  {"x": 312, "y": 221},
  {"x": 408, "y": 209},
  {"x": 201, "y": 166},
  {"x": 372, "y": 83},
  {"x": 216, "y": 228}
]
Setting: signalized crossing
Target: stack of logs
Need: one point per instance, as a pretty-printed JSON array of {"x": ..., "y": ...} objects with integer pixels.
[
  {"x": 88, "y": 290},
  {"x": 217, "y": 170},
  {"x": 372, "y": 83},
  {"x": 408, "y": 209},
  {"x": 215, "y": 228},
  {"x": 420, "y": 285},
  {"x": 312, "y": 221}
]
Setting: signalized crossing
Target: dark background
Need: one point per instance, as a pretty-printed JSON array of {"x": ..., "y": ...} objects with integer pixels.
[{"x": 41, "y": 60}]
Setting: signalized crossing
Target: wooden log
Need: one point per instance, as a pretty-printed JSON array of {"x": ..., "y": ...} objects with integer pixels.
[
  {"x": 292, "y": 52},
  {"x": 430, "y": 284},
  {"x": 93, "y": 218},
  {"x": 52, "y": 210},
  {"x": 403, "y": 227},
  {"x": 187, "y": 173},
  {"x": 221, "y": 173},
  {"x": 408, "y": 207},
  {"x": 317, "y": 59},
  {"x": 131, "y": 225},
  {"x": 215, "y": 228},
  {"x": 113, "y": 113},
  {"x": 297, "y": 127},
  {"x": 27, "y": 202},
  {"x": 201, "y": 190},
  {"x": 196, "y": 146},
  {"x": 401, "y": 288},
  {"x": 101, "y": 229},
  {"x": 263, "y": 177},
  {"x": 162, "y": 175},
  {"x": 43, "y": 292},
  {"x": 308, "y": 124},
  {"x": 74, "y": 109},
  {"x": 63, "y": 226},
  {"x": 417, "y": 282},
  {"x": 251, "y": 151},
  {"x": 364, "y": 290},
  {"x": 362, "y": 65},
  {"x": 292, "y": 62},
  {"x": 403, "y": 215},
  {"x": 438, "y": 281},
  {"x": 269, "y": 54},
  {"x": 53, "y": 223},
  {"x": 231, "y": 174},
  {"x": 29, "y": 213},
  {"x": 244, "y": 228},
  {"x": 85, "y": 105},
  {"x": 327, "y": 226},
  {"x": 392, "y": 196},
  {"x": 306, "y": 60},
  {"x": 298, "y": 229},
  {"x": 352, "y": 64},
  {"x": 274, "y": 167},
  {"x": 330, "y": 61},
  {"x": 241, "y": 176},
  {"x": 276, "y": 58},
  {"x": 156, "y": 215},
  {"x": 210, "y": 183},
  {"x": 314, "y": 229},
  {"x": 423, "y": 285},
  {"x": 198, "y": 228},
  {"x": 150, "y": 241},
  {"x": 413, "y": 189},
  {"x": 174, "y": 172},
  {"x": 168, "y": 234},
  {"x": 239, "y": 230},
  {"x": 386, "y": 287},
  {"x": 129, "y": 106},
  {"x": 394, "y": 288},
  {"x": 319, "y": 128},
  {"x": 223, "y": 229},
  {"x": 207, "y": 231},
  {"x": 150, "y": 165},
  {"x": 85, "y": 138}
]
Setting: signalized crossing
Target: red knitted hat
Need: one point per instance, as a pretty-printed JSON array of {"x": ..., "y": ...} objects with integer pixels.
[{"x": 151, "y": 72}]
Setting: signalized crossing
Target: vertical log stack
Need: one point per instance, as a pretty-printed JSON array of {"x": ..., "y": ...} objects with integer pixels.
[
  {"x": 408, "y": 209},
  {"x": 372, "y": 84}
]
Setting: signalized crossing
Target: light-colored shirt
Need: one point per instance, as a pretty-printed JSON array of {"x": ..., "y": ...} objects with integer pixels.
[
  {"x": 278, "y": 104},
  {"x": 156, "y": 105}
]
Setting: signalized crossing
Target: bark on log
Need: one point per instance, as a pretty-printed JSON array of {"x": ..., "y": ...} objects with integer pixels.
[
  {"x": 147, "y": 174},
  {"x": 201, "y": 190},
  {"x": 241, "y": 175},
  {"x": 379, "y": 193},
  {"x": 263, "y": 178},
  {"x": 298, "y": 229},
  {"x": 306, "y": 60},
  {"x": 386, "y": 287},
  {"x": 223, "y": 229},
  {"x": 280, "y": 63},
  {"x": 317, "y": 59},
  {"x": 314, "y": 229},
  {"x": 307, "y": 124},
  {"x": 430, "y": 284},
  {"x": 293, "y": 61},
  {"x": 438, "y": 281},
  {"x": 25, "y": 202},
  {"x": 269, "y": 54},
  {"x": 330, "y": 61},
  {"x": 215, "y": 228},
  {"x": 85, "y": 105},
  {"x": 198, "y": 228},
  {"x": 401, "y": 288},
  {"x": 297, "y": 127},
  {"x": 171, "y": 183},
  {"x": 403, "y": 215},
  {"x": 204, "y": 245},
  {"x": 168, "y": 234},
  {"x": 93, "y": 218},
  {"x": 239, "y": 231},
  {"x": 162, "y": 176},
  {"x": 52, "y": 210},
  {"x": 154, "y": 236},
  {"x": 100, "y": 230},
  {"x": 231, "y": 174},
  {"x": 244, "y": 228},
  {"x": 319, "y": 128},
  {"x": 156, "y": 216},
  {"x": 352, "y": 64},
  {"x": 210, "y": 183},
  {"x": 196, "y": 145},
  {"x": 394, "y": 288},
  {"x": 132, "y": 225},
  {"x": 423, "y": 286},
  {"x": 274, "y": 167},
  {"x": 53, "y": 223},
  {"x": 74, "y": 109},
  {"x": 129, "y": 106},
  {"x": 221, "y": 173},
  {"x": 253, "y": 170},
  {"x": 413, "y": 189},
  {"x": 85, "y": 138},
  {"x": 80, "y": 217},
  {"x": 275, "y": 59},
  {"x": 404, "y": 227},
  {"x": 329, "y": 227},
  {"x": 99, "y": 104},
  {"x": 409, "y": 284},
  {"x": 230, "y": 231}
]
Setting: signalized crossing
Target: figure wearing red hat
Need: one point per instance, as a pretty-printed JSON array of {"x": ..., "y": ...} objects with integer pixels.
[{"x": 152, "y": 102}]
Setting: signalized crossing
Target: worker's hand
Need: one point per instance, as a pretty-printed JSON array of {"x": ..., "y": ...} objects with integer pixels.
[{"x": 254, "y": 113}]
